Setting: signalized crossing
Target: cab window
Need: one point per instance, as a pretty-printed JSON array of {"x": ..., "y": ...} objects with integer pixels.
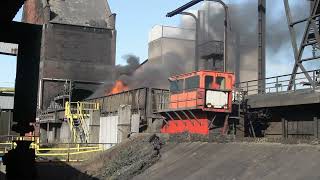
[
  {"x": 192, "y": 82},
  {"x": 209, "y": 80},
  {"x": 176, "y": 86},
  {"x": 221, "y": 82}
]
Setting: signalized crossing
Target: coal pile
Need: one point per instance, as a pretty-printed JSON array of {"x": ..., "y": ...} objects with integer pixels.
[{"x": 126, "y": 160}]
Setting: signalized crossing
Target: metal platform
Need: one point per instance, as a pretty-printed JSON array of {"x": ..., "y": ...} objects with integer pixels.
[
  {"x": 276, "y": 93},
  {"x": 288, "y": 98}
]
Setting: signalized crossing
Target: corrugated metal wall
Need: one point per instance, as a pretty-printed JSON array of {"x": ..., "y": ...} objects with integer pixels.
[
  {"x": 109, "y": 130},
  {"x": 124, "y": 113},
  {"x": 5, "y": 123}
]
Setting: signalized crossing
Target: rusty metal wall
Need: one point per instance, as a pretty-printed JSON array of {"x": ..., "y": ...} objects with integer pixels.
[
  {"x": 144, "y": 102},
  {"x": 136, "y": 98},
  {"x": 75, "y": 53}
]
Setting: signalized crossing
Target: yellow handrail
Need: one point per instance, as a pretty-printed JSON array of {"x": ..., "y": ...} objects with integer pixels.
[
  {"x": 65, "y": 151},
  {"x": 82, "y": 111}
]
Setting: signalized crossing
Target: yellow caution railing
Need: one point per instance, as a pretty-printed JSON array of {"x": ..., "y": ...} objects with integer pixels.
[
  {"x": 61, "y": 151},
  {"x": 9, "y": 143},
  {"x": 79, "y": 111}
]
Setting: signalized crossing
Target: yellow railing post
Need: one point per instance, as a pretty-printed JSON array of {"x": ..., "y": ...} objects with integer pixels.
[{"x": 68, "y": 159}]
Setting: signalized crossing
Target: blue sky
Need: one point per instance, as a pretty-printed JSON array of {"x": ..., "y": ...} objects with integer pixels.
[
  {"x": 134, "y": 21},
  {"x": 8, "y": 65}
]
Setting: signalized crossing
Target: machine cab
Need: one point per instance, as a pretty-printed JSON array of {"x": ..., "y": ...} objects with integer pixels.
[{"x": 206, "y": 90}]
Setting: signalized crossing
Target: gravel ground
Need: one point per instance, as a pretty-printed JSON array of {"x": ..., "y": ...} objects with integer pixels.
[
  {"x": 185, "y": 156},
  {"x": 235, "y": 161},
  {"x": 125, "y": 160}
]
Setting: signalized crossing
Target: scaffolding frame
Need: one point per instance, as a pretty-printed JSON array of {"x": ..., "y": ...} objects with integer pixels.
[{"x": 310, "y": 29}]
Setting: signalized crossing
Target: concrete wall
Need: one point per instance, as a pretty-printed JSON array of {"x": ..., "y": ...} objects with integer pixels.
[
  {"x": 94, "y": 127},
  {"x": 65, "y": 134},
  {"x": 52, "y": 133}
]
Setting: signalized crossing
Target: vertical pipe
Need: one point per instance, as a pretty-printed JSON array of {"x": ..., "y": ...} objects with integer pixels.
[
  {"x": 9, "y": 123},
  {"x": 261, "y": 45},
  {"x": 284, "y": 129},
  {"x": 196, "y": 63},
  {"x": 237, "y": 60},
  {"x": 277, "y": 84},
  {"x": 247, "y": 84},
  {"x": 48, "y": 132},
  {"x": 316, "y": 127},
  {"x": 40, "y": 94},
  {"x": 314, "y": 80},
  {"x": 225, "y": 54},
  {"x": 196, "y": 53}
]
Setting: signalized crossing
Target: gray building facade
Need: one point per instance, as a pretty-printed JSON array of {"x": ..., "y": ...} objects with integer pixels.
[{"x": 78, "y": 43}]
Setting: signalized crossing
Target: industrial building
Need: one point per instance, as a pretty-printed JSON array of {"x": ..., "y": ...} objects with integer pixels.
[
  {"x": 6, "y": 111},
  {"x": 77, "y": 53},
  {"x": 78, "y": 44},
  {"x": 194, "y": 81}
]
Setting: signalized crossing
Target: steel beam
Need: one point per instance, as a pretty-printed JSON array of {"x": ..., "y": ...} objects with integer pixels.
[
  {"x": 298, "y": 52},
  {"x": 196, "y": 44},
  {"x": 261, "y": 45}
]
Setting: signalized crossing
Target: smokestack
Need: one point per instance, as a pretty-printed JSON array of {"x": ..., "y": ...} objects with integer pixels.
[{"x": 261, "y": 45}]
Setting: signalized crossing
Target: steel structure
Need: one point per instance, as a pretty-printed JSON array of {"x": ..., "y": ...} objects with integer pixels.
[
  {"x": 77, "y": 114},
  {"x": 226, "y": 23},
  {"x": 196, "y": 53},
  {"x": 278, "y": 84},
  {"x": 262, "y": 44},
  {"x": 311, "y": 37}
]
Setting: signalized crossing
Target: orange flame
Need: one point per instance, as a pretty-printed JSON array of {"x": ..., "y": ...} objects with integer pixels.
[{"x": 118, "y": 87}]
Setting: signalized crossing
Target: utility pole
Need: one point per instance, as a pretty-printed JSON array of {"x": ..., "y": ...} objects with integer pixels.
[{"x": 261, "y": 46}]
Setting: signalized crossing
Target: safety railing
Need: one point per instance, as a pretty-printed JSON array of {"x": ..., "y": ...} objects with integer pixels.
[
  {"x": 161, "y": 100},
  {"x": 281, "y": 83},
  {"x": 69, "y": 152},
  {"x": 8, "y": 142},
  {"x": 79, "y": 111}
]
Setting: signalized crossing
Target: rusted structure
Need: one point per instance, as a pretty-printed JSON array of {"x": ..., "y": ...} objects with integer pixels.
[
  {"x": 78, "y": 43},
  {"x": 198, "y": 102}
]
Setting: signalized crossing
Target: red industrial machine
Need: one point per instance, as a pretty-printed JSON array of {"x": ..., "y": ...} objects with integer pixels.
[{"x": 199, "y": 102}]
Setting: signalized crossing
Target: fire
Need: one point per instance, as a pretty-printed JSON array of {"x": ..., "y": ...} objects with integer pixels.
[{"x": 118, "y": 87}]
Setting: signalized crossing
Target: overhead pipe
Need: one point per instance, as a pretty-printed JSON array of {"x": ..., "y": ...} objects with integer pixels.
[
  {"x": 226, "y": 23},
  {"x": 196, "y": 53}
]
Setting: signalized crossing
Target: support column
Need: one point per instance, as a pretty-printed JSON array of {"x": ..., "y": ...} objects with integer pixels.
[
  {"x": 316, "y": 127},
  {"x": 284, "y": 128},
  {"x": 48, "y": 128},
  {"x": 261, "y": 45}
]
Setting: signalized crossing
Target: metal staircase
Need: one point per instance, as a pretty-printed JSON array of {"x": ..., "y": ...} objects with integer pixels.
[{"x": 77, "y": 115}]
